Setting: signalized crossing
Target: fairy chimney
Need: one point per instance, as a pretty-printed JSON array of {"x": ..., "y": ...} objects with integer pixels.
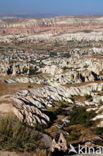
[
  {"x": 53, "y": 145},
  {"x": 62, "y": 143}
]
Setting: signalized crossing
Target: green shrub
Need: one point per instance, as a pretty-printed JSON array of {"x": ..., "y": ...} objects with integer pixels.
[
  {"x": 16, "y": 136},
  {"x": 100, "y": 143},
  {"x": 25, "y": 70},
  {"x": 53, "y": 115},
  {"x": 79, "y": 115},
  {"x": 40, "y": 127},
  {"x": 33, "y": 71},
  {"x": 73, "y": 136},
  {"x": 53, "y": 54},
  {"x": 57, "y": 111},
  {"x": 99, "y": 131}
]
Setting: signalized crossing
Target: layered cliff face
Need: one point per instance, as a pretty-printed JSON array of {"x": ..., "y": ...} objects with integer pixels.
[{"x": 50, "y": 25}]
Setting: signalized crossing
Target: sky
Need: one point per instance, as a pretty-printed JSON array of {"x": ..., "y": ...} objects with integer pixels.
[{"x": 56, "y": 7}]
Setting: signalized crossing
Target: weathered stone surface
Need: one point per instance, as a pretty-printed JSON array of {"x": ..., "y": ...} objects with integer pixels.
[
  {"x": 28, "y": 105},
  {"x": 61, "y": 145}
]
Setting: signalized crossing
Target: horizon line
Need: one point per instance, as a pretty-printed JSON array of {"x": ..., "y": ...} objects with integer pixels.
[{"x": 38, "y": 15}]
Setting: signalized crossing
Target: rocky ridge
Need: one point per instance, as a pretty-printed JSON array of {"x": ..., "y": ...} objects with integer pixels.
[
  {"x": 30, "y": 105},
  {"x": 58, "y": 71},
  {"x": 62, "y": 28}
]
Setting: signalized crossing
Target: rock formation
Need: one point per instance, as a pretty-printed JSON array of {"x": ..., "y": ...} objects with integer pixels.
[
  {"x": 29, "y": 105},
  {"x": 61, "y": 144}
]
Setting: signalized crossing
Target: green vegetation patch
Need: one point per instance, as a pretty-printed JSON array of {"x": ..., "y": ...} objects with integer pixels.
[
  {"x": 79, "y": 115},
  {"x": 15, "y": 136},
  {"x": 99, "y": 131},
  {"x": 33, "y": 71}
]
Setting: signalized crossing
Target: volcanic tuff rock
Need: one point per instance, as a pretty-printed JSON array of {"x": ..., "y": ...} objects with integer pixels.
[
  {"x": 49, "y": 25},
  {"x": 60, "y": 28},
  {"x": 75, "y": 69},
  {"x": 29, "y": 105}
]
